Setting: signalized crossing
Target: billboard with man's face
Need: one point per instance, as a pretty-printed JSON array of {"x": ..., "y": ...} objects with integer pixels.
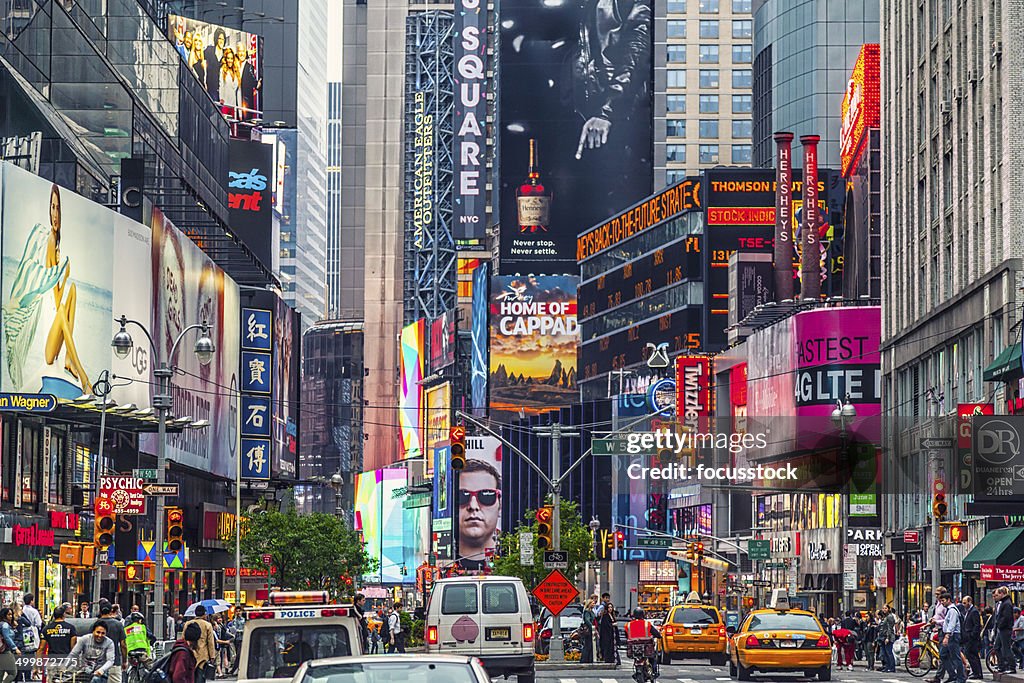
[
  {"x": 479, "y": 502},
  {"x": 576, "y": 80},
  {"x": 228, "y": 62}
]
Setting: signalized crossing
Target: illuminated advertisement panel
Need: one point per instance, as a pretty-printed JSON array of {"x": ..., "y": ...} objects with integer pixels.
[
  {"x": 228, "y": 62},
  {"x": 438, "y": 404},
  {"x": 469, "y": 140},
  {"x": 480, "y": 322},
  {"x": 533, "y": 343},
  {"x": 442, "y": 341},
  {"x": 379, "y": 515},
  {"x": 575, "y": 131},
  {"x": 693, "y": 391},
  {"x": 410, "y": 404},
  {"x": 479, "y": 500},
  {"x": 861, "y": 109}
]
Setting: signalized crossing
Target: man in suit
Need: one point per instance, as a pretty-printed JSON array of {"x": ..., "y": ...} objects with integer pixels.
[{"x": 971, "y": 631}]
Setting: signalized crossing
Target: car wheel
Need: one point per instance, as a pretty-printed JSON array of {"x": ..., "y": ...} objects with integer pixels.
[
  {"x": 718, "y": 660},
  {"x": 810, "y": 673},
  {"x": 664, "y": 658},
  {"x": 527, "y": 678},
  {"x": 743, "y": 673},
  {"x": 825, "y": 673}
]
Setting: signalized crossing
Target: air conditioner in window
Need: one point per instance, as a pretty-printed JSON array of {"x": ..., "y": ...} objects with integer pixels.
[
  {"x": 997, "y": 49},
  {"x": 946, "y": 107},
  {"x": 958, "y": 93},
  {"x": 972, "y": 76}
]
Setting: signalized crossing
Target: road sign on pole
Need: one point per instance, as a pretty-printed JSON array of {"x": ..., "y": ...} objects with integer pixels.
[
  {"x": 759, "y": 549},
  {"x": 654, "y": 542},
  {"x": 160, "y": 489},
  {"x": 556, "y": 559},
  {"x": 526, "y": 548},
  {"x": 609, "y": 446},
  {"x": 555, "y": 592},
  {"x": 144, "y": 473}
]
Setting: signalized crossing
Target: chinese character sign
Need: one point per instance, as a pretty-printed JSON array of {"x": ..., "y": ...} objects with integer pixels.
[{"x": 256, "y": 384}]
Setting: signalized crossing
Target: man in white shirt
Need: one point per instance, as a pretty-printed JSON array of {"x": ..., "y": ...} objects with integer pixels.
[
  {"x": 950, "y": 652},
  {"x": 31, "y": 612},
  {"x": 395, "y": 626}
]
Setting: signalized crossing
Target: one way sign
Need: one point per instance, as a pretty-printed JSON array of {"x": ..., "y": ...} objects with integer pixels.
[{"x": 161, "y": 489}]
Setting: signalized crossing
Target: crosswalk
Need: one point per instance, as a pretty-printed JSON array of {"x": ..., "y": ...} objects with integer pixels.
[{"x": 691, "y": 680}]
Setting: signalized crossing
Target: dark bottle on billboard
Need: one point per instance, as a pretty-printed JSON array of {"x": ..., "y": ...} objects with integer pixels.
[{"x": 533, "y": 199}]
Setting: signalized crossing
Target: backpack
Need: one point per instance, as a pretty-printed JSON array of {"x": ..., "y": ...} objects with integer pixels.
[
  {"x": 385, "y": 633},
  {"x": 160, "y": 672},
  {"x": 30, "y": 638}
]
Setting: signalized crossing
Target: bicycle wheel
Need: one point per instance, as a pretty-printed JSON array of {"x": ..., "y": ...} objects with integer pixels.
[
  {"x": 919, "y": 662},
  {"x": 992, "y": 661}
]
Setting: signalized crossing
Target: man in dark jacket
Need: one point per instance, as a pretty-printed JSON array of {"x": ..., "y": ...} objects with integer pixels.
[
  {"x": 182, "y": 665},
  {"x": 1004, "y": 624},
  {"x": 971, "y": 635}
]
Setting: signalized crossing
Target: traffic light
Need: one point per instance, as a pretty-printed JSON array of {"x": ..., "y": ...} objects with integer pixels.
[
  {"x": 544, "y": 528},
  {"x": 457, "y": 439},
  {"x": 939, "y": 506},
  {"x": 700, "y": 548},
  {"x": 691, "y": 551},
  {"x": 620, "y": 539},
  {"x": 175, "y": 530},
  {"x": 106, "y": 522}
]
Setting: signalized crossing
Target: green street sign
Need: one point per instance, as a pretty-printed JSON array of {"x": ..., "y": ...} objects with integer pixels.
[
  {"x": 759, "y": 549},
  {"x": 615, "y": 445},
  {"x": 144, "y": 474},
  {"x": 416, "y": 500},
  {"x": 654, "y": 542}
]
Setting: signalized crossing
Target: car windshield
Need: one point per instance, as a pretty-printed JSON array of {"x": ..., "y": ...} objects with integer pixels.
[
  {"x": 387, "y": 672},
  {"x": 694, "y": 615},
  {"x": 277, "y": 652},
  {"x": 775, "y": 621}
]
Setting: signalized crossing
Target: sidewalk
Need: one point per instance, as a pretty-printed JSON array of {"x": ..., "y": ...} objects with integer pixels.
[{"x": 597, "y": 666}]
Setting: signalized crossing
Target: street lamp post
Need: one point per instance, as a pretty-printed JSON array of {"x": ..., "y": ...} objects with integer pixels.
[
  {"x": 842, "y": 416},
  {"x": 336, "y": 483},
  {"x": 204, "y": 350}
]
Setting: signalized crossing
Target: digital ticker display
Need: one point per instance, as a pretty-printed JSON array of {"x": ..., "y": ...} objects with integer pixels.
[
  {"x": 661, "y": 268},
  {"x": 680, "y": 329},
  {"x": 740, "y": 216}
]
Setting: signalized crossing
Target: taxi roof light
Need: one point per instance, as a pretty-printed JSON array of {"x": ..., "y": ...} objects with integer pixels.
[
  {"x": 298, "y": 598},
  {"x": 779, "y": 599},
  {"x": 693, "y": 598}
]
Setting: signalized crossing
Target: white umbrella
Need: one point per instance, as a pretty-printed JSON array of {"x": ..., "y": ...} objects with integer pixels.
[{"x": 212, "y": 607}]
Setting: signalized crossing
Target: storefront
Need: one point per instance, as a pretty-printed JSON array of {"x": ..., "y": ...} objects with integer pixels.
[{"x": 26, "y": 545}]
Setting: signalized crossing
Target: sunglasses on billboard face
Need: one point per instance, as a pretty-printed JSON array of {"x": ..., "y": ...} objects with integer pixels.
[{"x": 484, "y": 497}]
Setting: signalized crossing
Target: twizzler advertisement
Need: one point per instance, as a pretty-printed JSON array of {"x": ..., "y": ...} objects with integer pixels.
[
  {"x": 534, "y": 337},
  {"x": 576, "y": 136}
]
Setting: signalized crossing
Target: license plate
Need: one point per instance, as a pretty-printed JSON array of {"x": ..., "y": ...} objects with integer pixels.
[
  {"x": 499, "y": 634},
  {"x": 695, "y": 631},
  {"x": 787, "y": 643}
]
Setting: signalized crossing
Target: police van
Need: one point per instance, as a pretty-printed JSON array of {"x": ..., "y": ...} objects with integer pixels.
[{"x": 293, "y": 628}]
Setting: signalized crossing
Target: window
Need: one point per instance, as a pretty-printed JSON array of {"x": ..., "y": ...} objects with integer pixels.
[
  {"x": 674, "y": 175},
  {"x": 741, "y": 6},
  {"x": 709, "y": 78},
  {"x": 676, "y": 28},
  {"x": 742, "y": 104},
  {"x": 709, "y": 28},
  {"x": 500, "y": 598},
  {"x": 459, "y": 599},
  {"x": 772, "y": 621},
  {"x": 709, "y": 54},
  {"x": 676, "y": 103},
  {"x": 675, "y": 152},
  {"x": 742, "y": 54},
  {"x": 709, "y": 6},
  {"x": 709, "y": 104},
  {"x": 709, "y": 154},
  {"x": 742, "y": 154},
  {"x": 675, "y": 128},
  {"x": 742, "y": 28},
  {"x": 742, "y": 78},
  {"x": 269, "y": 658},
  {"x": 742, "y": 128},
  {"x": 675, "y": 53},
  {"x": 694, "y": 616},
  {"x": 677, "y": 78},
  {"x": 677, "y": 6},
  {"x": 708, "y": 128}
]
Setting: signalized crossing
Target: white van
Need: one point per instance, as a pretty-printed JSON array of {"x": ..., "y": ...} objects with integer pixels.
[
  {"x": 487, "y": 617},
  {"x": 294, "y": 628}
]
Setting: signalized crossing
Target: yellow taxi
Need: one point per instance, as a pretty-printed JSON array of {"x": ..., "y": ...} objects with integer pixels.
[
  {"x": 780, "y": 639},
  {"x": 693, "y": 629}
]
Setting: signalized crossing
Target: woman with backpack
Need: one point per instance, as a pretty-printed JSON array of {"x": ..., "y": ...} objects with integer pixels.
[
  {"x": 27, "y": 637},
  {"x": 9, "y": 648}
]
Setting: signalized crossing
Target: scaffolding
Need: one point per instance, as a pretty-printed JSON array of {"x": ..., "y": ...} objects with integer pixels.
[{"x": 430, "y": 256}]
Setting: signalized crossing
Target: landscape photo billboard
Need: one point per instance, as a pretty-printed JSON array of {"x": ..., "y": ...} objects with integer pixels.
[
  {"x": 410, "y": 415},
  {"x": 576, "y": 79},
  {"x": 533, "y": 344},
  {"x": 479, "y": 502},
  {"x": 228, "y": 62},
  {"x": 188, "y": 289},
  {"x": 61, "y": 291}
]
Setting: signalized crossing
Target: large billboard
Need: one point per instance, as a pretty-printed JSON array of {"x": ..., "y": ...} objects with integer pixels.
[
  {"x": 379, "y": 515},
  {"x": 61, "y": 291},
  {"x": 189, "y": 289},
  {"x": 533, "y": 344},
  {"x": 479, "y": 500},
  {"x": 478, "y": 338},
  {"x": 228, "y": 62},
  {"x": 442, "y": 341},
  {"x": 285, "y": 431},
  {"x": 469, "y": 140},
  {"x": 410, "y": 415},
  {"x": 576, "y": 127},
  {"x": 250, "y": 197},
  {"x": 438, "y": 406}
]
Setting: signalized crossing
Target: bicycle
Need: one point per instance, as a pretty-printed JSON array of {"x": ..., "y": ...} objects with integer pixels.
[
  {"x": 137, "y": 670},
  {"x": 923, "y": 656}
]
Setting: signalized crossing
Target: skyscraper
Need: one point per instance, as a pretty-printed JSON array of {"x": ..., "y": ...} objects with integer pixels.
[{"x": 803, "y": 53}]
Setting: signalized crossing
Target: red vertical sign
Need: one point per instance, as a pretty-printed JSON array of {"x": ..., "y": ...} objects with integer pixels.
[
  {"x": 810, "y": 257},
  {"x": 693, "y": 391},
  {"x": 783, "y": 217}
]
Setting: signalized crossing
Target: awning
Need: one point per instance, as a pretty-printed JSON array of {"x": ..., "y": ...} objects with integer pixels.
[
  {"x": 1002, "y": 546},
  {"x": 1006, "y": 363}
]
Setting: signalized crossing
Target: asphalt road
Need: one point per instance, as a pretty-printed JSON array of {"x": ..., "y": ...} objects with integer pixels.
[{"x": 697, "y": 671}]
